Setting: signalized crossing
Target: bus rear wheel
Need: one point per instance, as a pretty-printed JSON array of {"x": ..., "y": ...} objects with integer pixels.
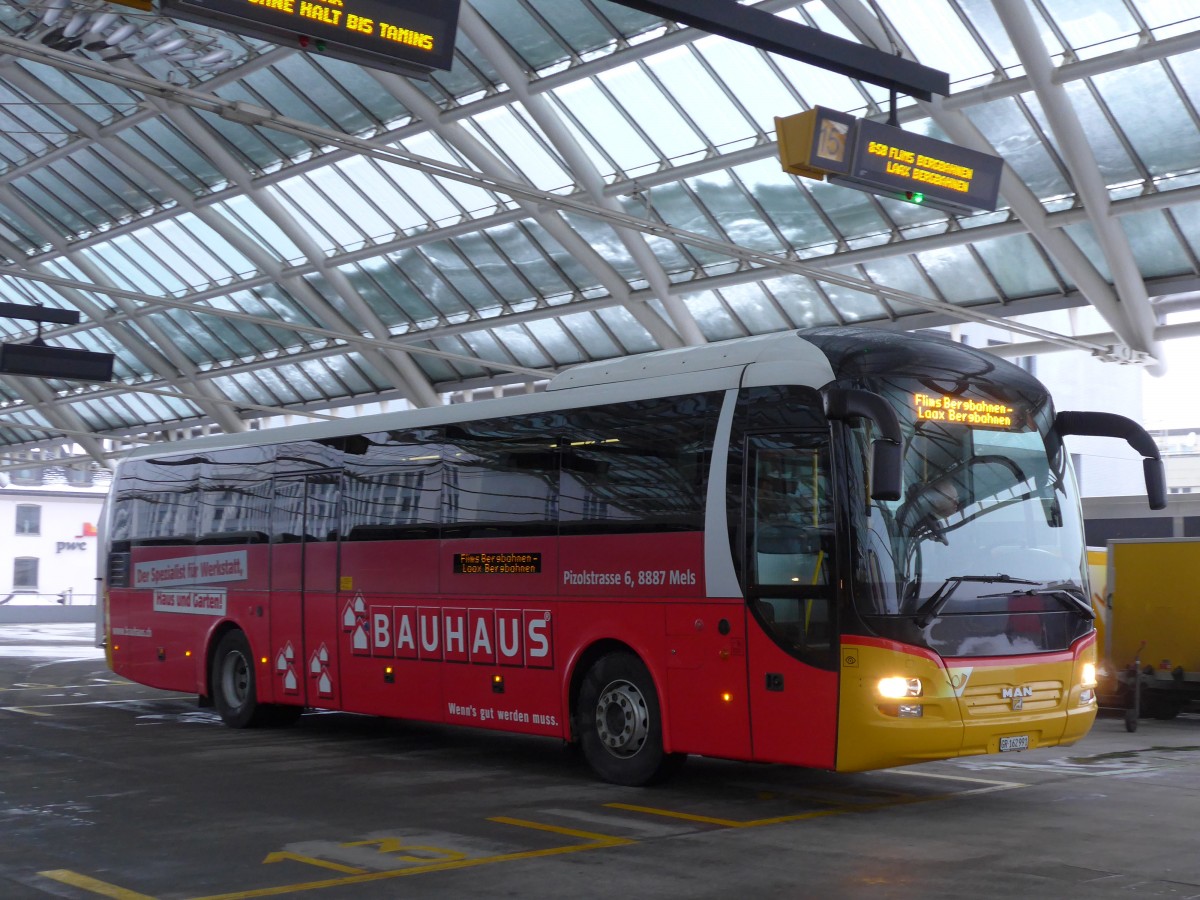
[
  {"x": 233, "y": 688},
  {"x": 621, "y": 723}
]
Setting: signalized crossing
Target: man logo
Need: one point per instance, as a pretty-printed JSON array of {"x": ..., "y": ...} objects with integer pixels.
[{"x": 1017, "y": 695}]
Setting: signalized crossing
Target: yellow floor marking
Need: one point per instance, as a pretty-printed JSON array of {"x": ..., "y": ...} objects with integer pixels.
[
  {"x": 393, "y": 847},
  {"x": 313, "y": 861},
  {"x": 731, "y": 823},
  {"x": 102, "y": 888},
  {"x": 902, "y": 800},
  {"x": 594, "y": 842},
  {"x": 21, "y": 709},
  {"x": 606, "y": 840}
]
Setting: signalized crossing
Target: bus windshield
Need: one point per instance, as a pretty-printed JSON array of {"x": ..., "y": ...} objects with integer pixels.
[{"x": 984, "y": 554}]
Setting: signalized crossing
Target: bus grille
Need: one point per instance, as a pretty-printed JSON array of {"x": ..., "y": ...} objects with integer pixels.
[{"x": 990, "y": 700}]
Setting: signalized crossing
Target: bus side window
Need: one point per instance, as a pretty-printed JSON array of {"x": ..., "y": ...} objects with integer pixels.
[
  {"x": 500, "y": 477},
  {"x": 163, "y": 500},
  {"x": 235, "y": 496},
  {"x": 392, "y": 490},
  {"x": 637, "y": 466}
]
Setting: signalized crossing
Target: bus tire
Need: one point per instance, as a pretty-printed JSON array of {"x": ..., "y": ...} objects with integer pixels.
[
  {"x": 621, "y": 723},
  {"x": 233, "y": 688}
]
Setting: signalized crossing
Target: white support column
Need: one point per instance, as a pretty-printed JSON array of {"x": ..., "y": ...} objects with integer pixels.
[
  {"x": 1136, "y": 317},
  {"x": 397, "y": 364}
]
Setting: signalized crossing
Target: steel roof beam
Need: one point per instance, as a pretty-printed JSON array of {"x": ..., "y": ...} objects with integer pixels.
[
  {"x": 466, "y": 143},
  {"x": 584, "y": 171},
  {"x": 396, "y": 365},
  {"x": 1025, "y": 204},
  {"x": 760, "y": 29}
]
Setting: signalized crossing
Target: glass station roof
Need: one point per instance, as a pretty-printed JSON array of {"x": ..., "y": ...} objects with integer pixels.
[{"x": 261, "y": 233}]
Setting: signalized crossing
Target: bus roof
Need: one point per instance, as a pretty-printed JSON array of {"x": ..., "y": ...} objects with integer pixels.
[
  {"x": 781, "y": 358},
  {"x": 785, "y": 346}
]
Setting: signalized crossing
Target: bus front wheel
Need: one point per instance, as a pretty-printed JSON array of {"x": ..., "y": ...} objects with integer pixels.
[
  {"x": 621, "y": 723},
  {"x": 233, "y": 687}
]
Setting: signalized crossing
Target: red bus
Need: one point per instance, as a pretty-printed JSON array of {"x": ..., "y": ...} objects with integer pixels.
[{"x": 839, "y": 548}]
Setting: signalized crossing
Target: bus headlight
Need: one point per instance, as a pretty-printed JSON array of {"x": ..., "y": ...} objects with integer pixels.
[
  {"x": 899, "y": 688},
  {"x": 1088, "y": 679}
]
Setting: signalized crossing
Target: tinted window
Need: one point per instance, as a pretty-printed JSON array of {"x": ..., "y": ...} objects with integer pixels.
[
  {"x": 501, "y": 477},
  {"x": 156, "y": 501},
  {"x": 306, "y": 508},
  {"x": 790, "y": 531},
  {"x": 304, "y": 456},
  {"x": 392, "y": 489},
  {"x": 638, "y": 466},
  {"x": 235, "y": 496}
]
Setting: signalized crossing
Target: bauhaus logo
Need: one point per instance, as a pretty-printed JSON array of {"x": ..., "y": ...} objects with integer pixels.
[{"x": 505, "y": 637}]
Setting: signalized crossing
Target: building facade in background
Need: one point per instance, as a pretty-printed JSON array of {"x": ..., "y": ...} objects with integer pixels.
[{"x": 48, "y": 546}]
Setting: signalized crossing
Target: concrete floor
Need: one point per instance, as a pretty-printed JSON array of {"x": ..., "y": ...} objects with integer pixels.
[{"x": 108, "y": 789}]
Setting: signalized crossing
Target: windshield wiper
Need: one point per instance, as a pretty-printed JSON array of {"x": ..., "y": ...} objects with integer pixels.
[
  {"x": 1076, "y": 603},
  {"x": 939, "y": 598}
]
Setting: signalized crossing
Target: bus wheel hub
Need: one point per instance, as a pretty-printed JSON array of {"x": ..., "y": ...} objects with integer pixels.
[{"x": 622, "y": 720}]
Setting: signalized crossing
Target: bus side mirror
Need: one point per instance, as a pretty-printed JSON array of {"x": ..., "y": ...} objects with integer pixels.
[
  {"x": 1156, "y": 482},
  {"x": 1099, "y": 424},
  {"x": 851, "y": 403},
  {"x": 885, "y": 470}
]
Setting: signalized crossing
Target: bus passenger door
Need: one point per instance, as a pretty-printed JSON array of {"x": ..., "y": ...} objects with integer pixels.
[
  {"x": 789, "y": 575},
  {"x": 304, "y": 590}
]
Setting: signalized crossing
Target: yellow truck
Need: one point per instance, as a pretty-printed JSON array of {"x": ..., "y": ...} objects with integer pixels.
[{"x": 1150, "y": 626}]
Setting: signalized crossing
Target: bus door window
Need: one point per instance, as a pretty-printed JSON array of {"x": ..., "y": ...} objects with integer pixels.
[
  {"x": 303, "y": 615},
  {"x": 790, "y": 539},
  {"x": 305, "y": 512}
]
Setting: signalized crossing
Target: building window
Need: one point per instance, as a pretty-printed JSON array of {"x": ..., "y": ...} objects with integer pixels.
[
  {"x": 25, "y": 573},
  {"x": 29, "y": 519},
  {"x": 27, "y": 477},
  {"x": 79, "y": 476}
]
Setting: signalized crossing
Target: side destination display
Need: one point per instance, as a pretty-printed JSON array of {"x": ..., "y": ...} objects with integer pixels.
[
  {"x": 497, "y": 563},
  {"x": 412, "y": 37}
]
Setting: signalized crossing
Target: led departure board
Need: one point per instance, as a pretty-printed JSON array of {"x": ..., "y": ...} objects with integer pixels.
[
  {"x": 892, "y": 159},
  {"x": 889, "y": 161},
  {"x": 412, "y": 37}
]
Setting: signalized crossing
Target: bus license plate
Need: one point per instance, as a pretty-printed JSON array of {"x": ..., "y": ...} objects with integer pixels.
[{"x": 1014, "y": 743}]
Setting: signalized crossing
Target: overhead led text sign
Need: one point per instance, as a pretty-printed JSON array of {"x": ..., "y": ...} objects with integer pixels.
[
  {"x": 409, "y": 36},
  {"x": 957, "y": 411},
  {"x": 897, "y": 160},
  {"x": 882, "y": 159}
]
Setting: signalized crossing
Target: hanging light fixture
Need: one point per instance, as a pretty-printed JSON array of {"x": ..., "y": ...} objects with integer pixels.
[{"x": 95, "y": 27}]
